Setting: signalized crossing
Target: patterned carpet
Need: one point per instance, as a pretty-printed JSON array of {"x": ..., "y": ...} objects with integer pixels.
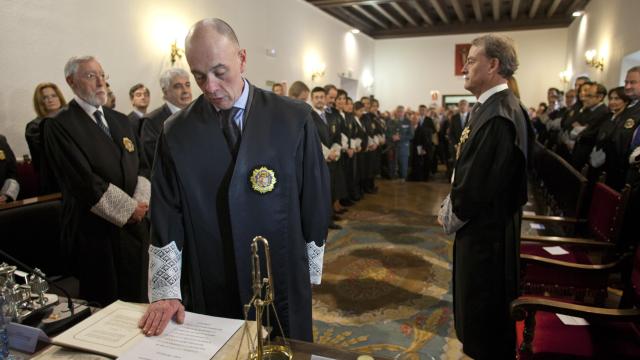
[{"x": 386, "y": 288}]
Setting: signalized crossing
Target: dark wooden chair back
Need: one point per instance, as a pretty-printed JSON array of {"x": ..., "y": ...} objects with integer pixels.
[
  {"x": 28, "y": 179},
  {"x": 606, "y": 212},
  {"x": 31, "y": 232},
  {"x": 564, "y": 185}
]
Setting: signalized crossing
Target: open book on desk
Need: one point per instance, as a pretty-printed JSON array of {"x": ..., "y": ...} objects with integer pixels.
[{"x": 113, "y": 332}]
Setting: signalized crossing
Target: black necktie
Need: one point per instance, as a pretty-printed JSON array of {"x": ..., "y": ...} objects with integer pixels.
[
  {"x": 471, "y": 114},
  {"x": 101, "y": 123},
  {"x": 230, "y": 128}
]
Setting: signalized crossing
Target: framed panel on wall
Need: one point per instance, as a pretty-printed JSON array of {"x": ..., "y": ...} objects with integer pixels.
[
  {"x": 449, "y": 101},
  {"x": 460, "y": 57}
]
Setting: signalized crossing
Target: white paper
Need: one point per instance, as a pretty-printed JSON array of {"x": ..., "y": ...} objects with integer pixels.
[
  {"x": 536, "y": 226},
  {"x": 555, "y": 250},
  {"x": 200, "y": 337},
  {"x": 528, "y": 213},
  {"x": 316, "y": 357},
  {"x": 572, "y": 320}
]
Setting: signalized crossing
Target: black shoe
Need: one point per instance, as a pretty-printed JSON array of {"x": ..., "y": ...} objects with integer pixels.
[
  {"x": 336, "y": 218},
  {"x": 334, "y": 226}
]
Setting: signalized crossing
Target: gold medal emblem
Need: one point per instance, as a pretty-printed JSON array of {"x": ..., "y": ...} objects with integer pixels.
[
  {"x": 2, "y": 155},
  {"x": 629, "y": 123},
  {"x": 571, "y": 113},
  {"x": 263, "y": 180},
  {"x": 465, "y": 135},
  {"x": 128, "y": 144},
  {"x": 374, "y": 126},
  {"x": 333, "y": 128}
]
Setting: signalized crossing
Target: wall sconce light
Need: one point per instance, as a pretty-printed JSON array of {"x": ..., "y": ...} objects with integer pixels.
[
  {"x": 176, "y": 52},
  {"x": 565, "y": 76},
  {"x": 593, "y": 60},
  {"x": 318, "y": 72}
]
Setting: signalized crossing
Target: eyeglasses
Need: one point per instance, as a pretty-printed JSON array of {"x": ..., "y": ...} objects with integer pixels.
[{"x": 93, "y": 76}]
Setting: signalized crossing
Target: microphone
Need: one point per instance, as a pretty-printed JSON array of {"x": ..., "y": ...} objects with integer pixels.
[{"x": 62, "y": 323}]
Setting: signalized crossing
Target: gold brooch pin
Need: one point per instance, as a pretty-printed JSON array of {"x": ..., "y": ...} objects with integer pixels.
[
  {"x": 629, "y": 123},
  {"x": 465, "y": 135},
  {"x": 263, "y": 180},
  {"x": 2, "y": 155},
  {"x": 128, "y": 144}
]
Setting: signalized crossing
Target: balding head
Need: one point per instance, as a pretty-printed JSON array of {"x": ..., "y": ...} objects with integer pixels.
[
  {"x": 205, "y": 27},
  {"x": 216, "y": 61}
]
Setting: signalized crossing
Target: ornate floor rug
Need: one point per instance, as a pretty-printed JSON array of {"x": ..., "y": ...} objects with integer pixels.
[{"x": 386, "y": 287}]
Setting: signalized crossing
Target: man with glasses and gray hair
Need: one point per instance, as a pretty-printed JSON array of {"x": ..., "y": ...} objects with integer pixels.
[
  {"x": 489, "y": 188},
  {"x": 176, "y": 91},
  {"x": 91, "y": 150}
]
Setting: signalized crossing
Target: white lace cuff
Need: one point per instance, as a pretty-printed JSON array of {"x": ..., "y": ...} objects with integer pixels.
[
  {"x": 165, "y": 265},
  {"x": 143, "y": 190},
  {"x": 316, "y": 256},
  {"x": 115, "y": 206},
  {"x": 10, "y": 188}
]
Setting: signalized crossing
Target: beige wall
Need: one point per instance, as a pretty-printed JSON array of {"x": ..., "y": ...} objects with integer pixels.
[
  {"x": 132, "y": 39},
  {"x": 611, "y": 28},
  {"x": 407, "y": 70}
]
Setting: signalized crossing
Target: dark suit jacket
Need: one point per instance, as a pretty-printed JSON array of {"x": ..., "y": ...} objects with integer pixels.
[
  {"x": 456, "y": 128},
  {"x": 587, "y": 138},
  {"x": 136, "y": 122},
  {"x": 150, "y": 131}
]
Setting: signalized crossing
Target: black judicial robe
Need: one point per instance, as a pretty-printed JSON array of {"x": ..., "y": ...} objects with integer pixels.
[
  {"x": 616, "y": 145},
  {"x": 47, "y": 183},
  {"x": 110, "y": 261},
  {"x": 8, "y": 164},
  {"x": 350, "y": 163},
  {"x": 586, "y": 140},
  {"x": 338, "y": 182},
  {"x": 488, "y": 191},
  {"x": 204, "y": 204},
  {"x": 150, "y": 128}
]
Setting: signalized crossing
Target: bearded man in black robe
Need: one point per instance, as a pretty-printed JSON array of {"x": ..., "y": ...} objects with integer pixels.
[{"x": 484, "y": 207}]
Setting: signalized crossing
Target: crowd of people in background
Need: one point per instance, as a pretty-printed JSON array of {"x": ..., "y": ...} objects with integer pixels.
[{"x": 586, "y": 125}]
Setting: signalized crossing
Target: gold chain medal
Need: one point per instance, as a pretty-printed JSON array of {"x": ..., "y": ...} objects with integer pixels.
[
  {"x": 463, "y": 138},
  {"x": 629, "y": 123},
  {"x": 263, "y": 180},
  {"x": 128, "y": 144},
  {"x": 2, "y": 155}
]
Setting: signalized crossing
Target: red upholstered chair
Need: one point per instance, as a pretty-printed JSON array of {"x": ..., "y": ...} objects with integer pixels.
[
  {"x": 27, "y": 178},
  {"x": 602, "y": 228},
  {"x": 611, "y": 333}
]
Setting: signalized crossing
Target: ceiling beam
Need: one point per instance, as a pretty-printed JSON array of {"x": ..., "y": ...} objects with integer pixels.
[
  {"x": 404, "y": 14},
  {"x": 477, "y": 9},
  {"x": 472, "y": 27},
  {"x": 436, "y": 5},
  {"x": 342, "y": 3},
  {"x": 369, "y": 16},
  {"x": 351, "y": 19},
  {"x": 534, "y": 9},
  {"x": 553, "y": 7},
  {"x": 459, "y": 12},
  {"x": 575, "y": 5},
  {"x": 386, "y": 14},
  {"x": 495, "y": 4},
  {"x": 514, "y": 9},
  {"x": 423, "y": 14}
]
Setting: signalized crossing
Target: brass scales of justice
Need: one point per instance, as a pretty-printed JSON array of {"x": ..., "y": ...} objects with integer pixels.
[{"x": 260, "y": 346}]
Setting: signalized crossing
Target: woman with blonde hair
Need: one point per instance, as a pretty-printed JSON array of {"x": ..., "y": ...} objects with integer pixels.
[{"x": 47, "y": 101}]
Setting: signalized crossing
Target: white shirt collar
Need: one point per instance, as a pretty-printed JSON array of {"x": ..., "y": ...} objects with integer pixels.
[
  {"x": 487, "y": 94},
  {"x": 88, "y": 108},
  {"x": 174, "y": 109},
  {"x": 138, "y": 112}
]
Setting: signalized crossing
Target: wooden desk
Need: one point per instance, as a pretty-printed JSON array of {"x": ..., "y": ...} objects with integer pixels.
[{"x": 301, "y": 351}]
